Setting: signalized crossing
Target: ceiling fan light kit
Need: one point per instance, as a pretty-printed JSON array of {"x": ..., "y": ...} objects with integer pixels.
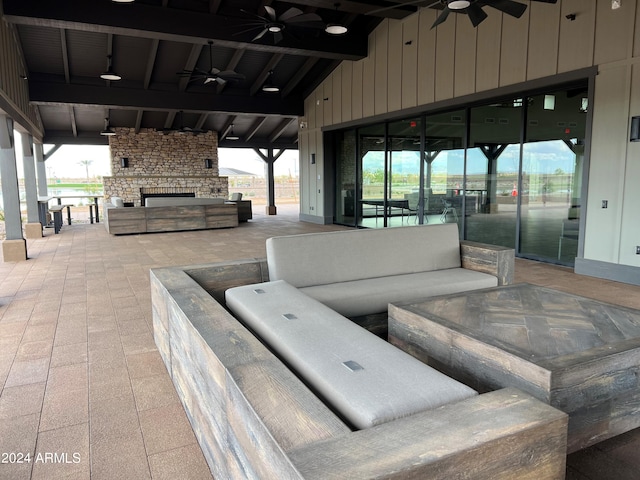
[
  {"x": 110, "y": 74},
  {"x": 108, "y": 131},
  {"x": 458, "y": 4},
  {"x": 336, "y": 29}
]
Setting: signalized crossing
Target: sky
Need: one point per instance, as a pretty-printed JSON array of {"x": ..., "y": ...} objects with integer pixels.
[{"x": 65, "y": 162}]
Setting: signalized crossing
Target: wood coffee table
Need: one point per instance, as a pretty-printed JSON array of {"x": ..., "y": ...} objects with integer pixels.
[{"x": 579, "y": 355}]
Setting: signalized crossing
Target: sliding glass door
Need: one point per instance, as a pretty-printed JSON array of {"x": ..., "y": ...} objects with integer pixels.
[
  {"x": 553, "y": 154},
  {"x": 507, "y": 172}
]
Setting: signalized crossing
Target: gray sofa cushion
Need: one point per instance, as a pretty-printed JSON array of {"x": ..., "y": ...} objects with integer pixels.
[
  {"x": 117, "y": 202},
  {"x": 367, "y": 380},
  {"x": 324, "y": 258},
  {"x": 372, "y": 295},
  {"x": 181, "y": 201}
]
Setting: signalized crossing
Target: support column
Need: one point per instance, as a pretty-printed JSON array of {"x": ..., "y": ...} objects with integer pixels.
[
  {"x": 41, "y": 170},
  {"x": 14, "y": 248},
  {"x": 33, "y": 227},
  {"x": 270, "y": 159}
]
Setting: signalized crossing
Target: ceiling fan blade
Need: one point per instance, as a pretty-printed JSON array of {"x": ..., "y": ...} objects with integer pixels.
[
  {"x": 231, "y": 75},
  {"x": 442, "y": 17},
  {"x": 271, "y": 12},
  {"x": 476, "y": 14},
  {"x": 289, "y": 14},
  {"x": 304, "y": 18},
  {"x": 260, "y": 35},
  {"x": 220, "y": 80},
  {"x": 515, "y": 9},
  {"x": 210, "y": 79}
]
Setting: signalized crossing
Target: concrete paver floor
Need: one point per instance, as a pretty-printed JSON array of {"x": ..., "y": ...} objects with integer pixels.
[{"x": 83, "y": 389}]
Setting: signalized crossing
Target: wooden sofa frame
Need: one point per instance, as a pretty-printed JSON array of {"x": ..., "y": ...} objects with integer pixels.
[{"x": 254, "y": 419}]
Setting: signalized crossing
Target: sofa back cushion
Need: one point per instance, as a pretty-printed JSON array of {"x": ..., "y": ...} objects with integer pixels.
[
  {"x": 117, "y": 202},
  {"x": 181, "y": 201},
  {"x": 331, "y": 257}
]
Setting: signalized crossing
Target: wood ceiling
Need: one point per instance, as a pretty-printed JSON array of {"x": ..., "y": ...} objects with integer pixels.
[{"x": 66, "y": 44}]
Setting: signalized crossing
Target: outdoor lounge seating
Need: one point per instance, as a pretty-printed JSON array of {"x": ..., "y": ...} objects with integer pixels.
[{"x": 263, "y": 405}]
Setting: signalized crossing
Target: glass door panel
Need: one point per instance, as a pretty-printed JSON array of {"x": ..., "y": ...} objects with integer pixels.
[
  {"x": 346, "y": 179},
  {"x": 493, "y": 163},
  {"x": 372, "y": 167},
  {"x": 403, "y": 173},
  {"x": 444, "y": 167},
  {"x": 552, "y": 168}
]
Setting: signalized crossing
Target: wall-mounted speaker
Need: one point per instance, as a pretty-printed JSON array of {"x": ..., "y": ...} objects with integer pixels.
[
  {"x": 634, "y": 135},
  {"x": 124, "y": 162}
]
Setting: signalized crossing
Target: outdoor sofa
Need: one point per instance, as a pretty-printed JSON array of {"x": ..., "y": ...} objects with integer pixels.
[{"x": 257, "y": 415}]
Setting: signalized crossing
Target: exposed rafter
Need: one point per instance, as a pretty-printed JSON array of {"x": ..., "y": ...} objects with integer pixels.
[
  {"x": 266, "y": 71},
  {"x": 147, "y": 21}
]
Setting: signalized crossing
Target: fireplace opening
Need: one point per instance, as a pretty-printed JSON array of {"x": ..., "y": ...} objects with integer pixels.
[{"x": 164, "y": 192}]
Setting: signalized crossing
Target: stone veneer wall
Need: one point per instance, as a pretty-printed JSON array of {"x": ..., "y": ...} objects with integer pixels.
[{"x": 160, "y": 160}]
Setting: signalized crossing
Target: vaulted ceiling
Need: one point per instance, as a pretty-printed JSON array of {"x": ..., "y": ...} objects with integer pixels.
[{"x": 66, "y": 44}]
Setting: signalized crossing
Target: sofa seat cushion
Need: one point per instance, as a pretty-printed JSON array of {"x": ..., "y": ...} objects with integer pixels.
[
  {"x": 346, "y": 255},
  {"x": 365, "y": 379},
  {"x": 372, "y": 295}
]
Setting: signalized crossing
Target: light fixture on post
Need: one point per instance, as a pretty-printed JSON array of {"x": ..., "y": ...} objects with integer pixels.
[
  {"x": 108, "y": 131},
  {"x": 458, "y": 4},
  {"x": 208, "y": 163},
  {"x": 336, "y": 28},
  {"x": 231, "y": 135},
  {"x": 110, "y": 74},
  {"x": 268, "y": 86}
]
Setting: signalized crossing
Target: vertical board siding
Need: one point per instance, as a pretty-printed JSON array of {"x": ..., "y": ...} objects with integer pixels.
[
  {"x": 613, "y": 31},
  {"x": 426, "y": 57},
  {"x": 445, "y": 53},
  {"x": 630, "y": 229},
  {"x": 14, "y": 91},
  {"x": 369, "y": 80},
  {"x": 336, "y": 96},
  {"x": 576, "y": 42},
  {"x": 606, "y": 177},
  {"x": 488, "y": 53},
  {"x": 513, "y": 60},
  {"x": 346, "y": 87},
  {"x": 410, "y": 62},
  {"x": 357, "y": 90},
  {"x": 465, "y": 57},
  {"x": 381, "y": 68},
  {"x": 394, "y": 66},
  {"x": 542, "y": 53}
]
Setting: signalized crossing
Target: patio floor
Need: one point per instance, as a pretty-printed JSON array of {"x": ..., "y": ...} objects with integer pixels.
[{"x": 83, "y": 389}]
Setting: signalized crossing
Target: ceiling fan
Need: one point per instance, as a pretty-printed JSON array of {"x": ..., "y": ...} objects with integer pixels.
[
  {"x": 276, "y": 24},
  {"x": 182, "y": 129},
  {"x": 213, "y": 74},
  {"x": 472, "y": 8}
]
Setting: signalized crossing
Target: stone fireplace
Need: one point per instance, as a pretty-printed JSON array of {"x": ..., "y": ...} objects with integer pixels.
[{"x": 163, "y": 163}]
